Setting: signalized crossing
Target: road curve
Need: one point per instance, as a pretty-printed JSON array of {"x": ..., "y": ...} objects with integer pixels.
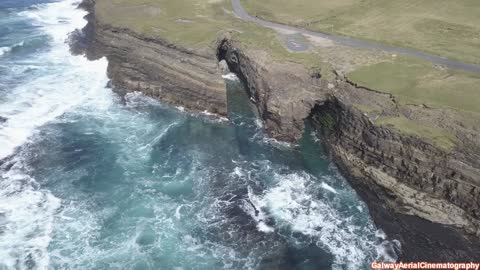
[{"x": 352, "y": 42}]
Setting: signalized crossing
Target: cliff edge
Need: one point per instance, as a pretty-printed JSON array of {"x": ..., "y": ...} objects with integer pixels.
[{"x": 182, "y": 77}]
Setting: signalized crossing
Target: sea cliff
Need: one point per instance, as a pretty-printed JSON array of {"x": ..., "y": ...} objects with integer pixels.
[
  {"x": 423, "y": 195},
  {"x": 422, "y": 191},
  {"x": 155, "y": 67}
]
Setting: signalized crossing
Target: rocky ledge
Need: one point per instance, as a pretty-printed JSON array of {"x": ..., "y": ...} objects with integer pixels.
[{"x": 425, "y": 196}]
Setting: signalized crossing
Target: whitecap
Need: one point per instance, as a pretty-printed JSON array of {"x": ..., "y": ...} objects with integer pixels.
[
  {"x": 28, "y": 214},
  {"x": 178, "y": 215},
  {"x": 4, "y": 50},
  {"x": 238, "y": 172},
  {"x": 231, "y": 77},
  {"x": 277, "y": 143},
  {"x": 328, "y": 187},
  {"x": 214, "y": 117},
  {"x": 293, "y": 203},
  {"x": 253, "y": 206},
  {"x": 66, "y": 82},
  {"x": 40, "y": 101}
]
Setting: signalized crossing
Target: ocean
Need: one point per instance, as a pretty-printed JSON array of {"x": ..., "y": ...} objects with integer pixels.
[{"x": 92, "y": 180}]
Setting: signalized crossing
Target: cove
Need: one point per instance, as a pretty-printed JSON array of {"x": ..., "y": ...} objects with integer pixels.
[{"x": 92, "y": 180}]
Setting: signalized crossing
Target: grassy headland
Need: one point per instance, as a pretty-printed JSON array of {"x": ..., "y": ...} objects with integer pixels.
[
  {"x": 448, "y": 28},
  {"x": 196, "y": 24}
]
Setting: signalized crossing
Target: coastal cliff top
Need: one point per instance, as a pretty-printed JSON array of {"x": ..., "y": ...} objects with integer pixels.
[{"x": 430, "y": 91}]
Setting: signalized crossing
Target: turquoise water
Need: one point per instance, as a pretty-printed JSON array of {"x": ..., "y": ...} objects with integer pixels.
[{"x": 90, "y": 180}]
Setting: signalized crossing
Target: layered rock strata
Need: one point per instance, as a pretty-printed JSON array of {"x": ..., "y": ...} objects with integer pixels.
[{"x": 181, "y": 77}]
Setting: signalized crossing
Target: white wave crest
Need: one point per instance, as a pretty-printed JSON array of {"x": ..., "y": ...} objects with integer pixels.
[
  {"x": 328, "y": 187},
  {"x": 231, "y": 77},
  {"x": 26, "y": 220},
  {"x": 68, "y": 80},
  {"x": 27, "y": 211},
  {"x": 5, "y": 50},
  {"x": 292, "y": 203},
  {"x": 254, "y": 207}
]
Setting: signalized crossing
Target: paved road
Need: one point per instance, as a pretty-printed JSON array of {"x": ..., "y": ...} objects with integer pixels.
[{"x": 240, "y": 12}]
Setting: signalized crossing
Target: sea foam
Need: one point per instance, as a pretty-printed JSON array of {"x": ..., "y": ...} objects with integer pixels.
[
  {"x": 27, "y": 211},
  {"x": 294, "y": 203}
]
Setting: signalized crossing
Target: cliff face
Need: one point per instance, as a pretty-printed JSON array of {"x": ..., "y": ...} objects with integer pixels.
[
  {"x": 427, "y": 182},
  {"x": 426, "y": 197},
  {"x": 181, "y": 77},
  {"x": 405, "y": 175},
  {"x": 434, "y": 193},
  {"x": 284, "y": 93}
]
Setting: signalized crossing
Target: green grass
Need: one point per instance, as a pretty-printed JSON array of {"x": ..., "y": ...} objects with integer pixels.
[
  {"x": 413, "y": 81},
  {"x": 438, "y": 137},
  {"x": 192, "y": 23},
  {"x": 449, "y": 28},
  {"x": 198, "y": 24}
]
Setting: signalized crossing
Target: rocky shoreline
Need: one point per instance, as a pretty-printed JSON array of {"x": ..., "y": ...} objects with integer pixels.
[
  {"x": 181, "y": 77},
  {"x": 427, "y": 198}
]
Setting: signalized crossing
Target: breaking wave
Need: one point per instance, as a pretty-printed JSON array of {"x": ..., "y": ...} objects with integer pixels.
[{"x": 27, "y": 211}]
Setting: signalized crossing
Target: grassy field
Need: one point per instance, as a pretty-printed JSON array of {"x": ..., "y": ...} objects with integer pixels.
[
  {"x": 449, "y": 28},
  {"x": 414, "y": 81},
  {"x": 191, "y": 23}
]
